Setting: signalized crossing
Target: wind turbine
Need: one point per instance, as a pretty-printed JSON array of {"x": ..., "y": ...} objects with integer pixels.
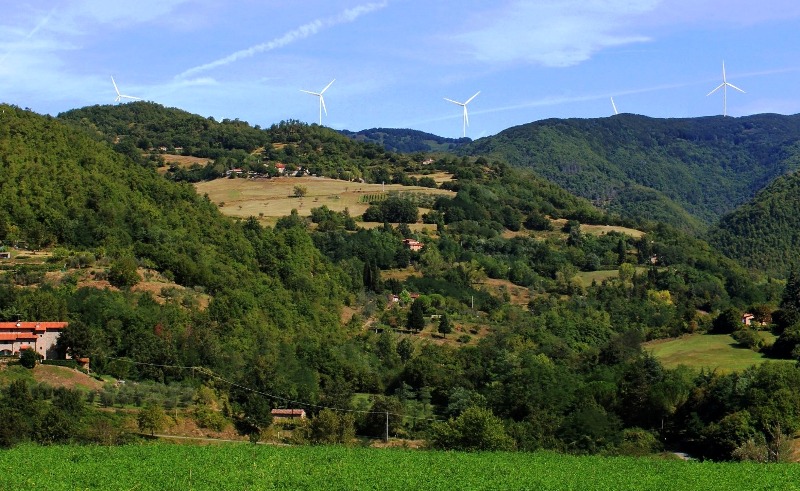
[
  {"x": 724, "y": 86},
  {"x": 321, "y": 99},
  {"x": 614, "y": 106},
  {"x": 464, "y": 105},
  {"x": 121, "y": 96}
]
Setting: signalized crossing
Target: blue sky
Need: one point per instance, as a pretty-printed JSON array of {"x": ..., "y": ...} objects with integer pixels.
[{"x": 395, "y": 61}]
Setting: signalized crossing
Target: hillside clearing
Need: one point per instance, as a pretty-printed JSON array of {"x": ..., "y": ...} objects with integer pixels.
[
  {"x": 707, "y": 351},
  {"x": 52, "y": 375},
  {"x": 181, "y": 161},
  {"x": 600, "y": 229},
  {"x": 273, "y": 198}
]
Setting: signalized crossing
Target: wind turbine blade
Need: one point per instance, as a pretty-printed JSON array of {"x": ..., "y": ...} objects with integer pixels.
[
  {"x": 326, "y": 87},
  {"x": 735, "y": 87},
  {"x": 718, "y": 87},
  {"x": 115, "y": 85},
  {"x": 723, "y": 71},
  {"x": 454, "y": 102},
  {"x": 466, "y": 115},
  {"x": 322, "y": 102},
  {"x": 470, "y": 99},
  {"x": 309, "y": 92},
  {"x": 614, "y": 106}
]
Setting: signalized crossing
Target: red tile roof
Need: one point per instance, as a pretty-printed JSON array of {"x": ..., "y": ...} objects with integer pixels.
[
  {"x": 17, "y": 337},
  {"x": 288, "y": 412},
  {"x": 38, "y": 326}
]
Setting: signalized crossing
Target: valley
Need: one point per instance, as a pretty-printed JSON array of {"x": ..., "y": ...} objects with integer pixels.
[{"x": 455, "y": 299}]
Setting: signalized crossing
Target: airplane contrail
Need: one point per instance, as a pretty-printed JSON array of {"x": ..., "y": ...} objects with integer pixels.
[
  {"x": 33, "y": 31},
  {"x": 302, "y": 32}
]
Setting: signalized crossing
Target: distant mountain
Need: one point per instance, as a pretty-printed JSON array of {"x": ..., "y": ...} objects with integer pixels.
[
  {"x": 407, "y": 141},
  {"x": 643, "y": 166},
  {"x": 764, "y": 234}
]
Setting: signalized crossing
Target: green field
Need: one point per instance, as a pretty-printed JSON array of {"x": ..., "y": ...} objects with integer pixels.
[
  {"x": 714, "y": 352},
  {"x": 248, "y": 467}
]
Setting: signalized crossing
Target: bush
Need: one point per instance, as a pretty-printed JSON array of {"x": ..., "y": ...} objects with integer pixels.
[
  {"x": 748, "y": 338},
  {"x": 474, "y": 429},
  {"x": 205, "y": 417},
  {"x": 28, "y": 358}
]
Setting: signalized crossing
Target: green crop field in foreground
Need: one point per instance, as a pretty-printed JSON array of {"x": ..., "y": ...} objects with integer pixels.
[{"x": 249, "y": 467}]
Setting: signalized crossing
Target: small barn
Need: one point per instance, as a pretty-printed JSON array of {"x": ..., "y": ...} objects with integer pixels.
[{"x": 288, "y": 414}]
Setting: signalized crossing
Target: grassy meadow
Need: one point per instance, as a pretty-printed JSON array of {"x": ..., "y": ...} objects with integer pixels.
[
  {"x": 271, "y": 199},
  {"x": 248, "y": 467},
  {"x": 707, "y": 351}
]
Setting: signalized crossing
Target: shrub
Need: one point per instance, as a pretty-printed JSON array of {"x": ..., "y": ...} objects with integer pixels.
[{"x": 28, "y": 358}]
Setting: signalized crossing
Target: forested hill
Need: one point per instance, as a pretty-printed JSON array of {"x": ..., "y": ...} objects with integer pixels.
[
  {"x": 764, "y": 234},
  {"x": 146, "y": 125},
  {"x": 61, "y": 188},
  {"x": 406, "y": 140},
  {"x": 638, "y": 165}
]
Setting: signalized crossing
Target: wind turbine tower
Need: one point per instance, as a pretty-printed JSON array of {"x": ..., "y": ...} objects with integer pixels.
[
  {"x": 122, "y": 96},
  {"x": 724, "y": 86},
  {"x": 321, "y": 99},
  {"x": 464, "y": 105}
]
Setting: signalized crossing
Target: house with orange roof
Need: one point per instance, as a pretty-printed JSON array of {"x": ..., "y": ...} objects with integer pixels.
[
  {"x": 414, "y": 245},
  {"x": 38, "y": 336}
]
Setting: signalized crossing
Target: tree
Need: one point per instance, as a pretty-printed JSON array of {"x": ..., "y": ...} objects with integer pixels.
[
  {"x": 445, "y": 327},
  {"x": 405, "y": 348},
  {"x": 622, "y": 251},
  {"x": 374, "y": 423},
  {"x": 416, "y": 317},
  {"x": 789, "y": 313},
  {"x": 123, "y": 272},
  {"x": 728, "y": 321},
  {"x": 151, "y": 418},
  {"x": 330, "y": 427},
  {"x": 299, "y": 191}
]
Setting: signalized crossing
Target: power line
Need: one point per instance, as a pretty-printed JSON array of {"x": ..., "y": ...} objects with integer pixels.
[{"x": 210, "y": 373}]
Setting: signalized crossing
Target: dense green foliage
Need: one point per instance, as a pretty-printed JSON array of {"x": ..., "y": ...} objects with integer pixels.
[
  {"x": 158, "y": 467},
  {"x": 707, "y": 166},
  {"x": 406, "y": 140},
  {"x": 764, "y": 234},
  {"x": 146, "y": 127},
  {"x": 564, "y": 372}
]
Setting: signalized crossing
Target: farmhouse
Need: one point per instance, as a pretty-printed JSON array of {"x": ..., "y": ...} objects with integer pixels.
[
  {"x": 39, "y": 336},
  {"x": 414, "y": 245},
  {"x": 288, "y": 414},
  {"x": 749, "y": 319}
]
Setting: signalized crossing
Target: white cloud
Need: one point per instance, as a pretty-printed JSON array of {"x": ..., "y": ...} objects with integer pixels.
[{"x": 556, "y": 33}]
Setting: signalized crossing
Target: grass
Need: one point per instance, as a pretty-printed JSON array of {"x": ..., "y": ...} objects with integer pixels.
[
  {"x": 248, "y": 467},
  {"x": 706, "y": 351},
  {"x": 558, "y": 224},
  {"x": 586, "y": 277},
  {"x": 271, "y": 199}
]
